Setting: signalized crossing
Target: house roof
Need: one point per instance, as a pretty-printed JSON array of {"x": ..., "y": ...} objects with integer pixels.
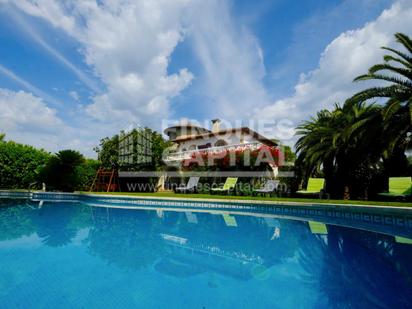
[
  {"x": 244, "y": 130},
  {"x": 186, "y": 126}
]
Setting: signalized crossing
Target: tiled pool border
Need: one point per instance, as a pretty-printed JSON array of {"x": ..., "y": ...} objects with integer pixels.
[
  {"x": 15, "y": 194},
  {"x": 390, "y": 220},
  {"x": 200, "y": 202},
  {"x": 363, "y": 216}
]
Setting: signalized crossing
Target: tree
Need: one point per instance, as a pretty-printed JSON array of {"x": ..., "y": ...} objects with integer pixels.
[
  {"x": 2, "y": 136},
  {"x": 20, "y": 164},
  {"x": 350, "y": 144},
  {"x": 86, "y": 173},
  {"x": 60, "y": 172},
  {"x": 108, "y": 151},
  {"x": 159, "y": 145},
  {"x": 397, "y": 112},
  {"x": 289, "y": 155},
  {"x": 333, "y": 144}
]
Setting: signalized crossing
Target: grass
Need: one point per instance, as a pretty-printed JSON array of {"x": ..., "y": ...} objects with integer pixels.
[{"x": 258, "y": 198}]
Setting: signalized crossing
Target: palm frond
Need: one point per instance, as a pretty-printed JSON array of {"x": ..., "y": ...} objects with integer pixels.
[
  {"x": 391, "y": 107},
  {"x": 388, "y": 58},
  {"x": 397, "y": 52},
  {"x": 381, "y": 92},
  {"x": 392, "y": 79},
  {"x": 381, "y": 67},
  {"x": 404, "y": 40}
]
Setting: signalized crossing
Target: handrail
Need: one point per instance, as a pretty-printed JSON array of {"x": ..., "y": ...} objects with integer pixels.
[
  {"x": 29, "y": 193},
  {"x": 30, "y": 185}
]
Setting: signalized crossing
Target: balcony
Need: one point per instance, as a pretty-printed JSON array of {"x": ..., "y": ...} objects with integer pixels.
[{"x": 185, "y": 155}]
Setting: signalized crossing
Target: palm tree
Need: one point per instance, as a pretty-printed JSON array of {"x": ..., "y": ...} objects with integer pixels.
[
  {"x": 315, "y": 146},
  {"x": 397, "y": 111},
  {"x": 61, "y": 172},
  {"x": 348, "y": 142},
  {"x": 335, "y": 142}
]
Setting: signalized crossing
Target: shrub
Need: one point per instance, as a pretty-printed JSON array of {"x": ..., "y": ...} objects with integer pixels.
[
  {"x": 20, "y": 164},
  {"x": 86, "y": 173},
  {"x": 62, "y": 170}
]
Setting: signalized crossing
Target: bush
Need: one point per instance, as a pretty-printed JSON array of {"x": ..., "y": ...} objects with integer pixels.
[
  {"x": 20, "y": 164},
  {"x": 86, "y": 173},
  {"x": 62, "y": 171}
]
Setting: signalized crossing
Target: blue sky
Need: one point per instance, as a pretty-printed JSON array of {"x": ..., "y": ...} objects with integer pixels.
[{"x": 72, "y": 72}]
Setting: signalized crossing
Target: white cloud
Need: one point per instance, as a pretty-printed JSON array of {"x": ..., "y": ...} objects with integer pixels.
[
  {"x": 130, "y": 48},
  {"x": 129, "y": 45},
  {"x": 231, "y": 59},
  {"x": 22, "y": 109},
  {"x": 26, "y": 117},
  {"x": 74, "y": 95},
  {"x": 346, "y": 57},
  {"x": 50, "y": 10}
]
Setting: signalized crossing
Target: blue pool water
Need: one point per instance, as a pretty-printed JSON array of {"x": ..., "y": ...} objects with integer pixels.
[{"x": 74, "y": 255}]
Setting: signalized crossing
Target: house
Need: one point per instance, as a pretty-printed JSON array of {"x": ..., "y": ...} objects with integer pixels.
[{"x": 189, "y": 139}]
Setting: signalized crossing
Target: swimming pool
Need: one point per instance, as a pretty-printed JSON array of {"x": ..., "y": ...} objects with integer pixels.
[{"x": 93, "y": 255}]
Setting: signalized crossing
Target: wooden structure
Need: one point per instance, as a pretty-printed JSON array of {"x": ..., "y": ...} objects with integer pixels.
[{"x": 106, "y": 180}]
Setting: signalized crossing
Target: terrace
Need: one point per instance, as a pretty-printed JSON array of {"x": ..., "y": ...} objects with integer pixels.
[{"x": 185, "y": 155}]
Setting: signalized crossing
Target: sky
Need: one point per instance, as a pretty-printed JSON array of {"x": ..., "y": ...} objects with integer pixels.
[{"x": 73, "y": 72}]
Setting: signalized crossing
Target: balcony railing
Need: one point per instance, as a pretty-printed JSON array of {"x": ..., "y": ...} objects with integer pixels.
[{"x": 185, "y": 155}]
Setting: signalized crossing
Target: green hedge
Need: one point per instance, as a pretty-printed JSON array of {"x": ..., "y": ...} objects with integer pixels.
[
  {"x": 20, "y": 164},
  {"x": 66, "y": 170}
]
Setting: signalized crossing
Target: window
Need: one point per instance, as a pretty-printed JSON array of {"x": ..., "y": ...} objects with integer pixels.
[
  {"x": 220, "y": 143},
  {"x": 208, "y": 145}
]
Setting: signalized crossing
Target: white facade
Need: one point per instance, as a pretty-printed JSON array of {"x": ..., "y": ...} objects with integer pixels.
[
  {"x": 189, "y": 139},
  {"x": 228, "y": 139}
]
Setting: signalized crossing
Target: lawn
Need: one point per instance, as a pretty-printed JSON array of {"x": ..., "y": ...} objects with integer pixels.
[{"x": 258, "y": 198}]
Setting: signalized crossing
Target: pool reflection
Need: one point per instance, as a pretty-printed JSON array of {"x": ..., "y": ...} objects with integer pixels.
[{"x": 346, "y": 267}]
